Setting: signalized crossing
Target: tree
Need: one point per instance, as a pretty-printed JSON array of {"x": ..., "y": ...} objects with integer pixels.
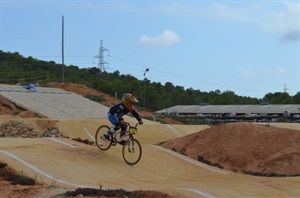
[
  {"x": 14, "y": 66},
  {"x": 278, "y": 98},
  {"x": 296, "y": 98}
]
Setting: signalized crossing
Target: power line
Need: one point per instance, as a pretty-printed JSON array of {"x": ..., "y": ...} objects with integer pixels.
[{"x": 185, "y": 77}]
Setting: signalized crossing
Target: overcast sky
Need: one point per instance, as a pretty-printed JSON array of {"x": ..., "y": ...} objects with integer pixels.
[{"x": 249, "y": 47}]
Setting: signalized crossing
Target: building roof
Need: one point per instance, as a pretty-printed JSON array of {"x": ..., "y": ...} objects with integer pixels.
[{"x": 238, "y": 109}]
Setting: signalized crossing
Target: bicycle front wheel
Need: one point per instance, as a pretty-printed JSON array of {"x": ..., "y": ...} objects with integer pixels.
[
  {"x": 102, "y": 143},
  {"x": 132, "y": 151}
]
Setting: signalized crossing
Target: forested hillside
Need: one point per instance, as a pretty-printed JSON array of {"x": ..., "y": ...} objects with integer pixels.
[{"x": 14, "y": 68}]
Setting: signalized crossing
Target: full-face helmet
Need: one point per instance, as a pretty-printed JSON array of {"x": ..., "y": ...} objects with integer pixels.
[{"x": 128, "y": 100}]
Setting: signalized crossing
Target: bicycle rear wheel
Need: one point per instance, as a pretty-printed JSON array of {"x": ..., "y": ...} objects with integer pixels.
[
  {"x": 132, "y": 151},
  {"x": 102, "y": 144}
]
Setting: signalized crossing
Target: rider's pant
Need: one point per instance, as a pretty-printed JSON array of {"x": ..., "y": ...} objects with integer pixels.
[{"x": 116, "y": 122}]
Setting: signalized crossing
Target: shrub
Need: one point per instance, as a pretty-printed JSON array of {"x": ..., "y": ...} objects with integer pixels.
[
  {"x": 14, "y": 178},
  {"x": 18, "y": 179},
  {"x": 203, "y": 160}
]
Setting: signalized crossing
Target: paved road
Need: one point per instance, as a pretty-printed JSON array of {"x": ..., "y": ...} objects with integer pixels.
[{"x": 53, "y": 103}]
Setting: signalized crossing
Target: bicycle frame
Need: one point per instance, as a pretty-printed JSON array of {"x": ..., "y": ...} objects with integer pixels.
[
  {"x": 130, "y": 131},
  {"x": 131, "y": 151}
]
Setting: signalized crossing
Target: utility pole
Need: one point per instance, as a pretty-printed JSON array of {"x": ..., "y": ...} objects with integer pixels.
[
  {"x": 146, "y": 70},
  {"x": 102, "y": 62},
  {"x": 285, "y": 89},
  {"x": 62, "y": 51}
]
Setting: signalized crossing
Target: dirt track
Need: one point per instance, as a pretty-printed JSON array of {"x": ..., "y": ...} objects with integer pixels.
[{"x": 70, "y": 164}]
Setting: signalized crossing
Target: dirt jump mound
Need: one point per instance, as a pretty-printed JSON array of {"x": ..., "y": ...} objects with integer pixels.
[{"x": 261, "y": 150}]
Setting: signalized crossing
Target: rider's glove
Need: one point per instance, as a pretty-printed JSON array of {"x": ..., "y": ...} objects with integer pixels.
[{"x": 123, "y": 123}]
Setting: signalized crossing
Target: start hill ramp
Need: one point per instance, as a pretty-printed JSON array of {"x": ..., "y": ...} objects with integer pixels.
[{"x": 53, "y": 103}]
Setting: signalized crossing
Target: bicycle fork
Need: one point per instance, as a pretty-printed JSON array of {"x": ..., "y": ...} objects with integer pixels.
[{"x": 130, "y": 145}]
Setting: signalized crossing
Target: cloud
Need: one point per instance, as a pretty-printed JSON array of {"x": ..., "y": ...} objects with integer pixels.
[
  {"x": 285, "y": 23},
  {"x": 280, "y": 71},
  {"x": 218, "y": 11},
  {"x": 291, "y": 35},
  {"x": 246, "y": 73},
  {"x": 166, "y": 38},
  {"x": 222, "y": 11},
  {"x": 274, "y": 73}
]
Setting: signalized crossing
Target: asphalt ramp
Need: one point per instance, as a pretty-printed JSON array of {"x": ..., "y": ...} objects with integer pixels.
[{"x": 53, "y": 103}]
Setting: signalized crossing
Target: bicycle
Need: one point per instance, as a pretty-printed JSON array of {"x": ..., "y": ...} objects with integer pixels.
[{"x": 132, "y": 149}]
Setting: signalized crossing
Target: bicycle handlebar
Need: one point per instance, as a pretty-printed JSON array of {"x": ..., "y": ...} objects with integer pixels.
[{"x": 128, "y": 124}]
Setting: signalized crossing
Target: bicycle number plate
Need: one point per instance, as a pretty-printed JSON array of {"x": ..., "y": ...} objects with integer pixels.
[{"x": 133, "y": 130}]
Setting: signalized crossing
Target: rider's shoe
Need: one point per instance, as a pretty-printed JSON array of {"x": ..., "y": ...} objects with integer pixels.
[
  {"x": 105, "y": 137},
  {"x": 122, "y": 142},
  {"x": 122, "y": 136}
]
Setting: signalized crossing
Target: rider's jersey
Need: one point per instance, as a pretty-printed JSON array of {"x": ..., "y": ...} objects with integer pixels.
[{"x": 120, "y": 110}]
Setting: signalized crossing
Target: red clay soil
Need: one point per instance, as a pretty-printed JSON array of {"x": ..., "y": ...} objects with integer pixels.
[
  {"x": 244, "y": 147},
  {"x": 18, "y": 191},
  {"x": 84, "y": 91},
  {"x": 8, "y": 108}
]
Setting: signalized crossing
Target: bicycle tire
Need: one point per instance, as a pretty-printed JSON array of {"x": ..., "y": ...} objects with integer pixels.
[
  {"x": 102, "y": 144},
  {"x": 132, "y": 151}
]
